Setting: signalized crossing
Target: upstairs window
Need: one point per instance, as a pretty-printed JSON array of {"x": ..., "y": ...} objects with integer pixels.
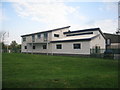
[
  {"x": 56, "y": 35},
  {"x": 24, "y": 39},
  {"x": 39, "y": 36},
  {"x": 58, "y": 46},
  {"x": 45, "y": 36},
  {"x": 33, "y": 38},
  {"x": 77, "y": 46},
  {"x": 108, "y": 42}
]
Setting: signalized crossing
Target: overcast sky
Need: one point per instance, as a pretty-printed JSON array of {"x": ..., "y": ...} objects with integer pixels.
[{"x": 19, "y": 18}]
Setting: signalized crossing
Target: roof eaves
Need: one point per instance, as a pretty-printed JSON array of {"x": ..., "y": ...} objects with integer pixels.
[
  {"x": 95, "y": 36},
  {"x": 87, "y": 39},
  {"x": 91, "y": 29},
  {"x": 113, "y": 37},
  {"x": 102, "y": 33},
  {"x": 46, "y": 31}
]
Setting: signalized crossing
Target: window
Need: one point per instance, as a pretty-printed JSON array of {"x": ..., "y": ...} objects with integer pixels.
[
  {"x": 77, "y": 46},
  {"x": 45, "y": 36},
  {"x": 44, "y": 46},
  {"x": 25, "y": 47},
  {"x": 33, "y": 47},
  {"x": 97, "y": 49},
  {"x": 24, "y": 39},
  {"x": 39, "y": 36},
  {"x": 56, "y": 35},
  {"x": 33, "y": 38},
  {"x": 58, "y": 46},
  {"x": 108, "y": 42}
]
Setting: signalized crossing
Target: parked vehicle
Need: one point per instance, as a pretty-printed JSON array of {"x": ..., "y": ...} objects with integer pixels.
[{"x": 108, "y": 54}]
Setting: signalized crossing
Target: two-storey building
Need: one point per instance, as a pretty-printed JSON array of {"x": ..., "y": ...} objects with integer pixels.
[{"x": 63, "y": 41}]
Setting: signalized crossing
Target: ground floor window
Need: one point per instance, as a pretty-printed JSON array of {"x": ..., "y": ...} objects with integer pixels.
[
  {"x": 44, "y": 46},
  {"x": 25, "y": 47},
  {"x": 58, "y": 46},
  {"x": 33, "y": 47},
  {"x": 77, "y": 46}
]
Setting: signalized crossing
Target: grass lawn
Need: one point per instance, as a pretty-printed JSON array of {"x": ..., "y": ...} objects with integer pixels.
[{"x": 42, "y": 71}]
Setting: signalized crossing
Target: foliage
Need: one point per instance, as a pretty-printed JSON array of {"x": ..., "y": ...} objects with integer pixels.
[
  {"x": 13, "y": 47},
  {"x": 4, "y": 47}
]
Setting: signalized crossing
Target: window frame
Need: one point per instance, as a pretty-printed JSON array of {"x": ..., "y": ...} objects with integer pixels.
[
  {"x": 33, "y": 38},
  {"x": 44, "y": 46},
  {"x": 25, "y": 47},
  {"x": 108, "y": 41},
  {"x": 58, "y": 46},
  {"x": 33, "y": 47},
  {"x": 38, "y": 36},
  {"x": 24, "y": 39},
  {"x": 45, "y": 36},
  {"x": 77, "y": 47},
  {"x": 56, "y": 35}
]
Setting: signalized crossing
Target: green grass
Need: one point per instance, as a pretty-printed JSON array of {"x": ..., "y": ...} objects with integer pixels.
[{"x": 42, "y": 71}]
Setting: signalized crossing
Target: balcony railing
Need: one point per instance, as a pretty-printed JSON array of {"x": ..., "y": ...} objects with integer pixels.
[{"x": 36, "y": 40}]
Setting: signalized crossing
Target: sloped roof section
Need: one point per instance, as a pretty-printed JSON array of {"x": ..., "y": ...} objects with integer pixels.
[
  {"x": 75, "y": 38},
  {"x": 46, "y": 31},
  {"x": 85, "y": 30},
  {"x": 113, "y": 37}
]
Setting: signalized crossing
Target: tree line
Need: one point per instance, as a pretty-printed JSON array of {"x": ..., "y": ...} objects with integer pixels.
[{"x": 14, "y": 47}]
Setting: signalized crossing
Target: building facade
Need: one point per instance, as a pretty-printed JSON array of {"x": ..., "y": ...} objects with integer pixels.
[
  {"x": 112, "y": 41},
  {"x": 63, "y": 41}
]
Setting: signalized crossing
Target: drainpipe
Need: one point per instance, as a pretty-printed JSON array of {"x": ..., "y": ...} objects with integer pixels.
[
  {"x": 47, "y": 47},
  {"x": 51, "y": 50},
  {"x": 32, "y": 46}
]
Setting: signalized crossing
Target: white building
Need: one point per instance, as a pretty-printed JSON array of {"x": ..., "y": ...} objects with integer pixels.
[{"x": 63, "y": 41}]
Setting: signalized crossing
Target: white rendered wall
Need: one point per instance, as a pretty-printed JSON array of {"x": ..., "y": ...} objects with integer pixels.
[
  {"x": 60, "y": 32},
  {"x": 98, "y": 41},
  {"x": 67, "y": 48},
  {"x": 38, "y": 48}
]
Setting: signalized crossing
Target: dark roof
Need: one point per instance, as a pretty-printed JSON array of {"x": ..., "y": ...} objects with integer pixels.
[
  {"x": 76, "y": 31},
  {"x": 84, "y": 30},
  {"x": 74, "y": 40},
  {"x": 46, "y": 31},
  {"x": 113, "y": 37},
  {"x": 84, "y": 33},
  {"x": 87, "y": 39}
]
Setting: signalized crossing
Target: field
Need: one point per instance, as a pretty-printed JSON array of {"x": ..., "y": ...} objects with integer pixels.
[{"x": 42, "y": 71}]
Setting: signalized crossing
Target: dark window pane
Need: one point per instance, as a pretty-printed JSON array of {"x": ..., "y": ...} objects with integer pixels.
[
  {"x": 45, "y": 36},
  {"x": 33, "y": 38},
  {"x": 77, "y": 46},
  {"x": 39, "y": 36},
  {"x": 108, "y": 42},
  {"x": 56, "y": 35},
  {"x": 25, "y": 47},
  {"x": 24, "y": 39},
  {"x": 44, "y": 46},
  {"x": 33, "y": 47},
  {"x": 58, "y": 46}
]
